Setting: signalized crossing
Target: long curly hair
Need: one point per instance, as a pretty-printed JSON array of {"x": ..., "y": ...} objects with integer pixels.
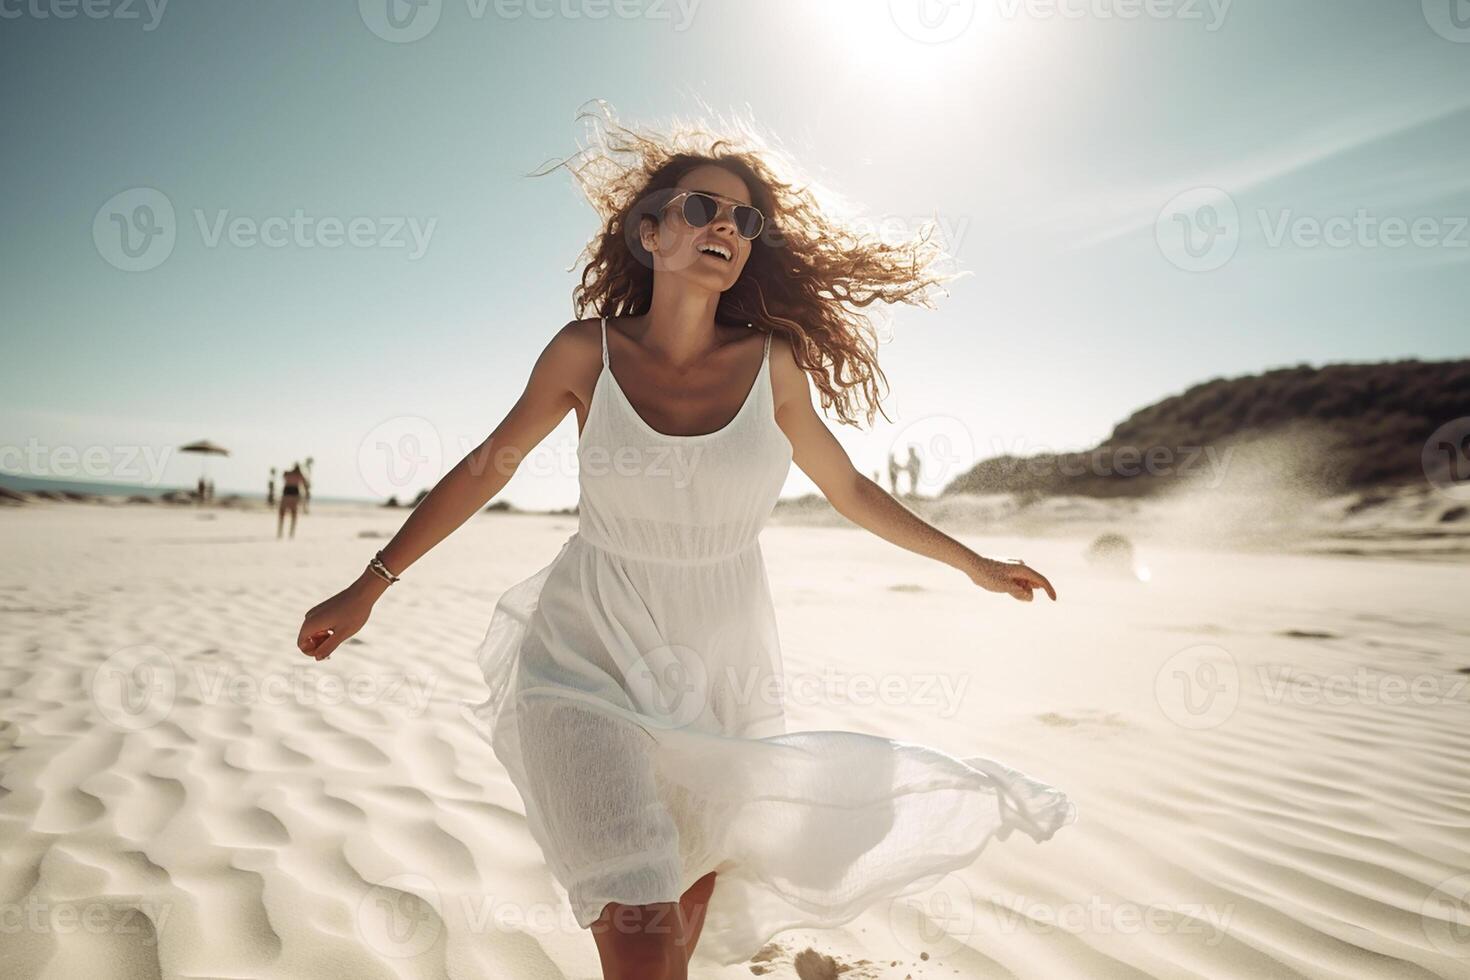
[{"x": 809, "y": 276}]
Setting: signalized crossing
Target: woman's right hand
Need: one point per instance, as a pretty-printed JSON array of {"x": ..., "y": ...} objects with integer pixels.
[{"x": 329, "y": 623}]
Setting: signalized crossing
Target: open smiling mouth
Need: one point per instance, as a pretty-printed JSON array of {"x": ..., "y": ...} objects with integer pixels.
[{"x": 718, "y": 251}]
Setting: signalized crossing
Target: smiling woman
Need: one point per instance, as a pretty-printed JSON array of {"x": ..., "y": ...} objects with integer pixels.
[
  {"x": 633, "y": 683},
  {"x": 643, "y": 190}
]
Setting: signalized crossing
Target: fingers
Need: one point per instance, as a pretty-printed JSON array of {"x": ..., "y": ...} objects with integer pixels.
[
  {"x": 316, "y": 642},
  {"x": 1028, "y": 579},
  {"x": 311, "y": 634},
  {"x": 1020, "y": 581},
  {"x": 1041, "y": 581},
  {"x": 324, "y": 650}
]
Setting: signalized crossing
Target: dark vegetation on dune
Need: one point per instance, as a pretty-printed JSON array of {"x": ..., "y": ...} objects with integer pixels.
[{"x": 1337, "y": 428}]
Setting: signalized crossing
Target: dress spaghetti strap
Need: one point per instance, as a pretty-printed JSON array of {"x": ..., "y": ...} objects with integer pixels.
[{"x": 604, "y": 341}]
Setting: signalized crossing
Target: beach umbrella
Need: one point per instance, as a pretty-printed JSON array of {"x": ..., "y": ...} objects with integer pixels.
[{"x": 206, "y": 449}]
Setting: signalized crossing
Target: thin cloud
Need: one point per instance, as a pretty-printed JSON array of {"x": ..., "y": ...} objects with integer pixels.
[{"x": 1121, "y": 213}]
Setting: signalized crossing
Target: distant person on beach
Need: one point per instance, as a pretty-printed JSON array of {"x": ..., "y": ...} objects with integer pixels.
[
  {"x": 199, "y": 491},
  {"x": 270, "y": 489},
  {"x": 912, "y": 467},
  {"x": 893, "y": 472},
  {"x": 294, "y": 489}
]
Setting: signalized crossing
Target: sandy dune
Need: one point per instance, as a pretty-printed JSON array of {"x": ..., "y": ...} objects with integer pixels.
[{"x": 1270, "y": 755}]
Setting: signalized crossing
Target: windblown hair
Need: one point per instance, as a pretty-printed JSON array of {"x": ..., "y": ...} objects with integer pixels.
[{"x": 809, "y": 275}]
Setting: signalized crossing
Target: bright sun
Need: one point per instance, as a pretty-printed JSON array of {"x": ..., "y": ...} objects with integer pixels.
[{"x": 907, "y": 41}]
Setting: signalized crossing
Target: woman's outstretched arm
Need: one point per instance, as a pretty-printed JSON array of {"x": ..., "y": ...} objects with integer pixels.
[
  {"x": 821, "y": 457},
  {"x": 464, "y": 490}
]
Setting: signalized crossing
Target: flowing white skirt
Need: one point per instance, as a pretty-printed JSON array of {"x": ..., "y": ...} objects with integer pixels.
[{"x": 642, "y": 769}]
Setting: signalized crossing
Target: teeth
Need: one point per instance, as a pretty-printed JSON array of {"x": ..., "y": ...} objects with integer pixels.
[{"x": 716, "y": 250}]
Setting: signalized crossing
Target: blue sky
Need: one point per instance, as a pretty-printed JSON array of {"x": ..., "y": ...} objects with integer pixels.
[{"x": 1145, "y": 195}]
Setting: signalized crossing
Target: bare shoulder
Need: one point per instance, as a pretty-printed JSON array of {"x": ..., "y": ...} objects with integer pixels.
[
  {"x": 568, "y": 364},
  {"x": 788, "y": 380},
  {"x": 579, "y": 334},
  {"x": 576, "y": 347}
]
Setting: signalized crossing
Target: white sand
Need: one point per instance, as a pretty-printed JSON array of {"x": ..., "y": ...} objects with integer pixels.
[{"x": 239, "y": 817}]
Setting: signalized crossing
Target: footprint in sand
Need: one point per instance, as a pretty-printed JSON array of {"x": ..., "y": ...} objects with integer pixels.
[
  {"x": 1308, "y": 635},
  {"x": 1091, "y": 721}
]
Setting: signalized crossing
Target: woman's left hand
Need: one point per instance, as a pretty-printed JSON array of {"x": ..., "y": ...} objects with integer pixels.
[{"x": 1012, "y": 577}]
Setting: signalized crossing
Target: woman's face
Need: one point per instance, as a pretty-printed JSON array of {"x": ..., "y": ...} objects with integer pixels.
[{"x": 681, "y": 250}]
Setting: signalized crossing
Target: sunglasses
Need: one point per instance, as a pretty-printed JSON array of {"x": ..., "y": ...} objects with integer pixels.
[{"x": 700, "y": 208}]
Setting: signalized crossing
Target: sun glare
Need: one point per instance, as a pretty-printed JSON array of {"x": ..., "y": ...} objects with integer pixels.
[{"x": 906, "y": 41}]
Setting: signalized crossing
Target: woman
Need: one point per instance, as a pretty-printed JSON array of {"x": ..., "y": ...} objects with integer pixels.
[
  {"x": 294, "y": 490},
  {"x": 629, "y": 679}
]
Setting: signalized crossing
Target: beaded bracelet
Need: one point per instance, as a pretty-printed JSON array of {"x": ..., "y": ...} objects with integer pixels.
[{"x": 379, "y": 569}]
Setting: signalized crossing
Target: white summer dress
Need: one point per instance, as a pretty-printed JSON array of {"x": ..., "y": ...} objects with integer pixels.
[{"x": 630, "y": 700}]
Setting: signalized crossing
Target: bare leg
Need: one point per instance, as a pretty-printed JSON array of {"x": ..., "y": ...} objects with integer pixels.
[
  {"x": 641, "y": 942},
  {"x": 694, "y": 902},
  {"x": 652, "y": 942},
  {"x": 287, "y": 507}
]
